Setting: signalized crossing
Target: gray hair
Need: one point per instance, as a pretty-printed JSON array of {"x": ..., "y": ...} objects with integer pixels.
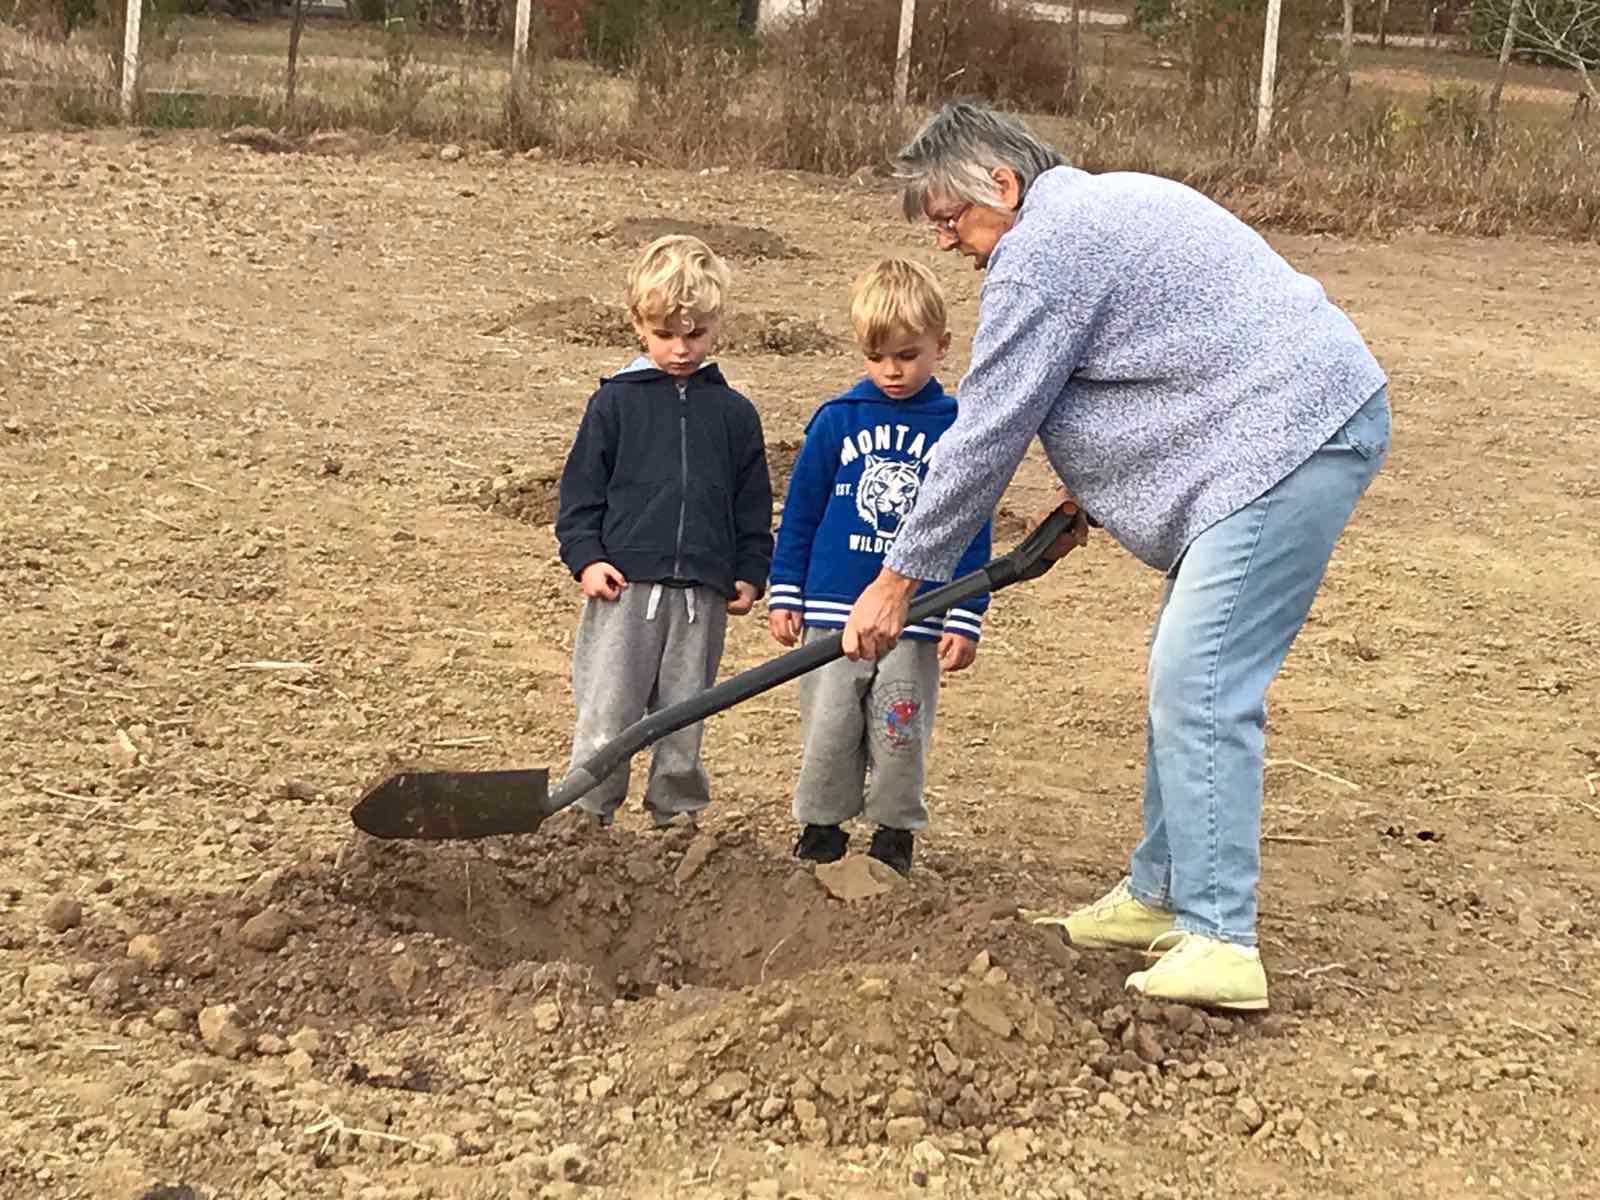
[{"x": 956, "y": 151}]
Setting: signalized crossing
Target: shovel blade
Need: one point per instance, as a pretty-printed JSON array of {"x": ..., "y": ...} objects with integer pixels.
[{"x": 435, "y": 806}]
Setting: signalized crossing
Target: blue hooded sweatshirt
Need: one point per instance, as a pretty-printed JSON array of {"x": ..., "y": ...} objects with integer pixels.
[{"x": 853, "y": 485}]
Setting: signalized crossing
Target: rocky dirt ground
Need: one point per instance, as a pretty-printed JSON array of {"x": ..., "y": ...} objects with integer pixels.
[{"x": 276, "y": 440}]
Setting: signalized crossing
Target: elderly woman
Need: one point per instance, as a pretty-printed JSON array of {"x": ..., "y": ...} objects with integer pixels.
[{"x": 1207, "y": 406}]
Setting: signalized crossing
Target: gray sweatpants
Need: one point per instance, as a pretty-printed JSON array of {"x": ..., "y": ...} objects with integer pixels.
[
  {"x": 858, "y": 718},
  {"x": 633, "y": 656}
]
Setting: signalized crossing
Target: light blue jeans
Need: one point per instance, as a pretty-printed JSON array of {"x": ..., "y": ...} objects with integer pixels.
[{"x": 1232, "y": 608}]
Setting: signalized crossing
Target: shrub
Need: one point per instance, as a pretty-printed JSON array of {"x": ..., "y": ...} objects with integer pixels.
[
  {"x": 1219, "y": 45},
  {"x": 829, "y": 109},
  {"x": 1377, "y": 131},
  {"x": 1455, "y": 112},
  {"x": 616, "y": 31},
  {"x": 686, "y": 65},
  {"x": 401, "y": 82},
  {"x": 993, "y": 49},
  {"x": 989, "y": 48}
]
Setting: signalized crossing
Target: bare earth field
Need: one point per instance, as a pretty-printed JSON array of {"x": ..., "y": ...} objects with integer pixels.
[{"x": 277, "y": 436}]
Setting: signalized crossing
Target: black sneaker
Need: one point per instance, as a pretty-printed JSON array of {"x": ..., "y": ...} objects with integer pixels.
[
  {"x": 821, "y": 844},
  {"x": 892, "y": 847}
]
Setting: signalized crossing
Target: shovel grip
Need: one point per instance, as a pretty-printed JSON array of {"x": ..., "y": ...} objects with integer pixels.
[{"x": 1026, "y": 561}]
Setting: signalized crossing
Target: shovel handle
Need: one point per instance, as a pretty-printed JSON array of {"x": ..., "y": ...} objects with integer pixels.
[{"x": 1026, "y": 561}]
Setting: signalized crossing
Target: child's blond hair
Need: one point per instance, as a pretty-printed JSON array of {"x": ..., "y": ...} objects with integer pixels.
[
  {"x": 892, "y": 296},
  {"x": 676, "y": 283}
]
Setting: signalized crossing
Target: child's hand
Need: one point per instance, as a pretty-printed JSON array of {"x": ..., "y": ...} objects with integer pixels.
[
  {"x": 744, "y": 601},
  {"x": 602, "y": 581},
  {"x": 956, "y": 652},
  {"x": 785, "y": 624}
]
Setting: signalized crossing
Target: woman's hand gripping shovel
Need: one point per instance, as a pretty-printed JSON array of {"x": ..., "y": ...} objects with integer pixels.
[{"x": 449, "y": 805}]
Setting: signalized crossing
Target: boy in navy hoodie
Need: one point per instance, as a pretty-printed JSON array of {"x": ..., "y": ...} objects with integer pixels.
[
  {"x": 867, "y": 726},
  {"x": 666, "y": 522}
]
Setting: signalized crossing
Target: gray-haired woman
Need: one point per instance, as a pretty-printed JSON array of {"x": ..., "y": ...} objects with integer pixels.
[{"x": 1208, "y": 407}]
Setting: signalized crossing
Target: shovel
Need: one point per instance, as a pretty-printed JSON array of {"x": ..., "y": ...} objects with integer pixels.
[{"x": 448, "y": 805}]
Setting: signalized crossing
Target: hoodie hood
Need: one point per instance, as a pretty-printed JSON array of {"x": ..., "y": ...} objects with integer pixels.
[
  {"x": 932, "y": 393},
  {"x": 642, "y": 370}
]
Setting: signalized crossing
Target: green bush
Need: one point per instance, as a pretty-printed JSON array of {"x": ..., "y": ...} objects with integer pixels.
[
  {"x": 1455, "y": 112},
  {"x": 1377, "y": 131}
]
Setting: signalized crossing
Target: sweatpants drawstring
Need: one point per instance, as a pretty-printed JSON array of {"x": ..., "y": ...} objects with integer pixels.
[{"x": 654, "y": 604}]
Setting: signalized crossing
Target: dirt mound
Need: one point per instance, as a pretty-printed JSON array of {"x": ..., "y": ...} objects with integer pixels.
[
  {"x": 533, "y": 496},
  {"x": 588, "y": 322},
  {"x": 578, "y": 319},
  {"x": 750, "y": 243},
  {"x": 644, "y": 983},
  {"x": 673, "y": 909},
  {"x": 256, "y": 138},
  {"x": 647, "y": 984},
  {"x": 758, "y": 1002},
  {"x": 635, "y": 912},
  {"x": 780, "y": 333}
]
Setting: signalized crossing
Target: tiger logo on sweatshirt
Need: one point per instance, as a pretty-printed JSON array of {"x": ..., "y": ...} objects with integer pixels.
[{"x": 886, "y": 493}]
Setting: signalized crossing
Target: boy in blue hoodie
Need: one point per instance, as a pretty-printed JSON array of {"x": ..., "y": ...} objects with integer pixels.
[
  {"x": 867, "y": 726},
  {"x": 666, "y": 522}
]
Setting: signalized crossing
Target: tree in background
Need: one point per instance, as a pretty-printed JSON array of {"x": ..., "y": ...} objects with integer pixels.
[
  {"x": 1507, "y": 45},
  {"x": 297, "y": 24},
  {"x": 1563, "y": 32}
]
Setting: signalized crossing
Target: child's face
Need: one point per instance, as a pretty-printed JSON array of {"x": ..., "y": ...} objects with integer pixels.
[
  {"x": 673, "y": 349},
  {"x": 902, "y": 363}
]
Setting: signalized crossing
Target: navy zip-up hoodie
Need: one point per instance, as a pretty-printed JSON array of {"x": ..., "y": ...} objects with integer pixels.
[
  {"x": 854, "y": 484},
  {"x": 667, "y": 481}
]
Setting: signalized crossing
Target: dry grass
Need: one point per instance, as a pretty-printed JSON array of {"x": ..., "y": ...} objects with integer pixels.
[
  {"x": 1374, "y": 164},
  {"x": 1408, "y": 149}
]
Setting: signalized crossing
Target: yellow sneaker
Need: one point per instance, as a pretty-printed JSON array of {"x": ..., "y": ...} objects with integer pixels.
[
  {"x": 1116, "y": 921},
  {"x": 1205, "y": 972}
]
